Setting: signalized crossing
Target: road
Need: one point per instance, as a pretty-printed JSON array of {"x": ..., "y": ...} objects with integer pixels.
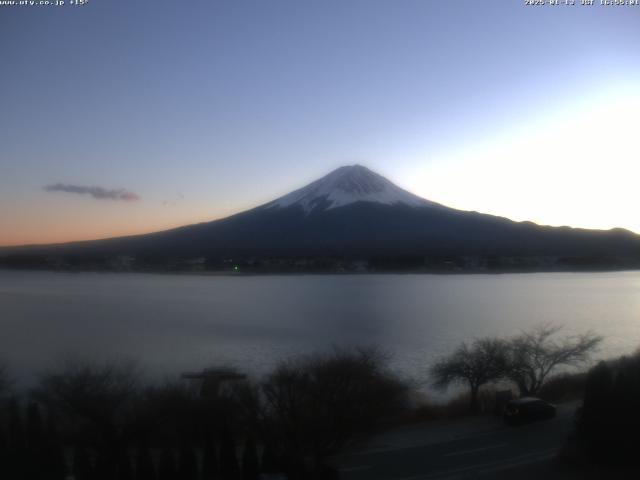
[{"x": 473, "y": 454}]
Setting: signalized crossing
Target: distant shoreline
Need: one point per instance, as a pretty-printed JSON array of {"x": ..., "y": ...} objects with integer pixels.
[{"x": 321, "y": 274}]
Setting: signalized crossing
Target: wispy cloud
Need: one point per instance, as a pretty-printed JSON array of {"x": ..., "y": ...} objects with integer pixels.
[{"x": 98, "y": 193}]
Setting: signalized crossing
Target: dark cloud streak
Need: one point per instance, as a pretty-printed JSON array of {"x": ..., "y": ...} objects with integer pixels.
[{"x": 98, "y": 193}]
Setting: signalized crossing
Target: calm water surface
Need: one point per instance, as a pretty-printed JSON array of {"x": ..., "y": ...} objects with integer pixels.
[{"x": 172, "y": 323}]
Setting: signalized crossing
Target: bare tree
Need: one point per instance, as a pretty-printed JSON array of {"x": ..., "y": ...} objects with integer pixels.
[
  {"x": 93, "y": 399},
  {"x": 318, "y": 404},
  {"x": 169, "y": 409},
  {"x": 475, "y": 365},
  {"x": 535, "y": 354}
]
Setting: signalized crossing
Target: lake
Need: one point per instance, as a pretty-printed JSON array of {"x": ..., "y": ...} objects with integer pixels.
[{"x": 173, "y": 323}]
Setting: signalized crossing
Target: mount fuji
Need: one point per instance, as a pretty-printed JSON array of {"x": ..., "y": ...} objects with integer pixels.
[
  {"x": 354, "y": 213},
  {"x": 345, "y": 186}
]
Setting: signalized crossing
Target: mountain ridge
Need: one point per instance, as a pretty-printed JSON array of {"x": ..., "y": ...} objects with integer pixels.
[{"x": 354, "y": 213}]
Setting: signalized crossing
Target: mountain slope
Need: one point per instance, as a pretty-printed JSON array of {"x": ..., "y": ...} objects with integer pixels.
[{"x": 353, "y": 212}]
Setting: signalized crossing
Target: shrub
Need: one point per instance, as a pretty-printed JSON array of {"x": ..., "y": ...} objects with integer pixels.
[
  {"x": 316, "y": 405},
  {"x": 610, "y": 419}
]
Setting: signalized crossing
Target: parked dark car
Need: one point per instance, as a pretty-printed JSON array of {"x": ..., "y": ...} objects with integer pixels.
[{"x": 528, "y": 409}]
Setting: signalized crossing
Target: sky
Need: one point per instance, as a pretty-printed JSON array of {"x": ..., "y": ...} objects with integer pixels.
[{"x": 121, "y": 117}]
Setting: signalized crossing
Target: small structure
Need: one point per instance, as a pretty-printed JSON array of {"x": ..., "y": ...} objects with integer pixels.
[{"x": 212, "y": 379}]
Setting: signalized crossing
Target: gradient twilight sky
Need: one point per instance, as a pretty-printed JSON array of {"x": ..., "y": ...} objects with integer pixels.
[{"x": 207, "y": 107}]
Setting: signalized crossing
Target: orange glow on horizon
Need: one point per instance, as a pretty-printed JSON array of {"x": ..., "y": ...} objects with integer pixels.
[{"x": 44, "y": 230}]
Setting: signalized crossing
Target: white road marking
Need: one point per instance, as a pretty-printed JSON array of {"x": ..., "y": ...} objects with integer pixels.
[
  {"x": 488, "y": 467},
  {"x": 390, "y": 448}
]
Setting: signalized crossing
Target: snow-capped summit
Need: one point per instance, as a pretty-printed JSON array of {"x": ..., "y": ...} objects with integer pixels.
[
  {"x": 355, "y": 214},
  {"x": 346, "y": 185}
]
